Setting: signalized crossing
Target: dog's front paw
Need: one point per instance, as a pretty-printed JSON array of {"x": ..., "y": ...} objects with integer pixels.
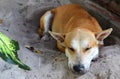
[{"x": 95, "y": 59}]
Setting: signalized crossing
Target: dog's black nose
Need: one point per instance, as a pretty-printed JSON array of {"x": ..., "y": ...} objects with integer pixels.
[{"x": 79, "y": 68}]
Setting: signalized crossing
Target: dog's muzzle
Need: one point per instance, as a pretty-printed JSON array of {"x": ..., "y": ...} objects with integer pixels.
[{"x": 79, "y": 68}]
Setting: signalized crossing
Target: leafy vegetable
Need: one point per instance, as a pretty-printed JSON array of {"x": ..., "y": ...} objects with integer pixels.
[{"x": 8, "y": 51}]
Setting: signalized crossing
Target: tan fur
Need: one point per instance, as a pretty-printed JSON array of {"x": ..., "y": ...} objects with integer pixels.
[
  {"x": 41, "y": 30},
  {"x": 73, "y": 16}
]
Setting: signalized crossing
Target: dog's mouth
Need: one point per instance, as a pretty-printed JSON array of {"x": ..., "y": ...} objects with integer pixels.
[{"x": 78, "y": 73}]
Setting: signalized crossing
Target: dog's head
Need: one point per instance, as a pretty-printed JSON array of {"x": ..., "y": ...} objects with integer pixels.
[{"x": 81, "y": 46}]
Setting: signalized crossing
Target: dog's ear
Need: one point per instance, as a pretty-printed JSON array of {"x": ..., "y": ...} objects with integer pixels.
[
  {"x": 102, "y": 35},
  {"x": 58, "y": 36}
]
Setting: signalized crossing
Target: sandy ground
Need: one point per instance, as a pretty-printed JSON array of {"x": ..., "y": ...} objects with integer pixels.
[{"x": 21, "y": 21}]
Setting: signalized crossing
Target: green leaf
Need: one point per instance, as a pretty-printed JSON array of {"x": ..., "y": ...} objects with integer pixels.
[{"x": 8, "y": 51}]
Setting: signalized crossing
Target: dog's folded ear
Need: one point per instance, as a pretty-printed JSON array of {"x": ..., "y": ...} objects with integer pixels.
[
  {"x": 102, "y": 35},
  {"x": 58, "y": 36}
]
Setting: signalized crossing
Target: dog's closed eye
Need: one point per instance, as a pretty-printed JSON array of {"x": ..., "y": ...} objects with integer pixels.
[
  {"x": 72, "y": 49},
  {"x": 88, "y": 48}
]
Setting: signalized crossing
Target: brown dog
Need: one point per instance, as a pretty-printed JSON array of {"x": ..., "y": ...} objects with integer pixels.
[{"x": 78, "y": 34}]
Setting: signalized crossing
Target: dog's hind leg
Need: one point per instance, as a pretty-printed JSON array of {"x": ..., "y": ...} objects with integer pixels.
[{"x": 45, "y": 25}]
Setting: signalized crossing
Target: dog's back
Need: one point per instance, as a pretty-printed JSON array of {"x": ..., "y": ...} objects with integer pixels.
[{"x": 71, "y": 16}]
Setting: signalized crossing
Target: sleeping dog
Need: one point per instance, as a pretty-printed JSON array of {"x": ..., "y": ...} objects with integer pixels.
[{"x": 78, "y": 34}]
